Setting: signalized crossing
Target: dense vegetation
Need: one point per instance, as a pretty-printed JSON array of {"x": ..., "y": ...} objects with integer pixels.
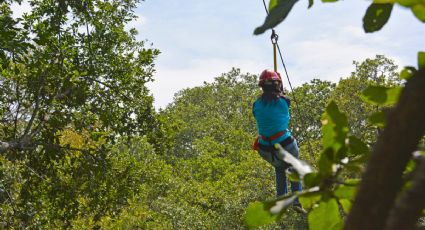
[
  {"x": 390, "y": 193},
  {"x": 82, "y": 147}
]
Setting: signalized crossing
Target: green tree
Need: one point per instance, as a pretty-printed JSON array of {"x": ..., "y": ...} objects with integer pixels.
[
  {"x": 210, "y": 132},
  {"x": 215, "y": 110},
  {"x": 379, "y": 71},
  {"x": 307, "y": 109},
  {"x": 69, "y": 69},
  {"x": 312, "y": 98}
]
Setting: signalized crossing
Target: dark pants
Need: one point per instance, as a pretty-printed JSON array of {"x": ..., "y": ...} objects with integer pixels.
[{"x": 280, "y": 168}]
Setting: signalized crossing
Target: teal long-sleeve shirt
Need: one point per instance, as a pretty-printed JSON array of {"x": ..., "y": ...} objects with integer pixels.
[{"x": 272, "y": 118}]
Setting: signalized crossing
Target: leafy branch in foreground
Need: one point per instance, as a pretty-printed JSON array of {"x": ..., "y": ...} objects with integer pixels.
[
  {"x": 404, "y": 128},
  {"x": 377, "y": 14}
]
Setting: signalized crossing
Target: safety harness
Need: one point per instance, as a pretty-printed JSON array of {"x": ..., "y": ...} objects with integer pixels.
[{"x": 267, "y": 139}]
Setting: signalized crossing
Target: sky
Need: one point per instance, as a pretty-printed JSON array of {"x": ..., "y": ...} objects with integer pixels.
[{"x": 200, "y": 40}]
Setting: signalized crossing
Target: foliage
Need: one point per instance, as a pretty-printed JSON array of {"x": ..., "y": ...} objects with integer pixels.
[
  {"x": 307, "y": 106},
  {"x": 311, "y": 99},
  {"x": 81, "y": 147},
  {"x": 72, "y": 84},
  {"x": 220, "y": 110},
  {"x": 376, "y": 16},
  {"x": 331, "y": 192},
  {"x": 214, "y": 172},
  {"x": 380, "y": 72},
  {"x": 209, "y": 136}
]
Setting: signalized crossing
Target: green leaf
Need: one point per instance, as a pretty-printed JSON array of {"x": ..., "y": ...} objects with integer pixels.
[
  {"x": 419, "y": 11},
  {"x": 346, "y": 205},
  {"x": 276, "y": 15},
  {"x": 381, "y": 95},
  {"x": 272, "y": 4},
  {"x": 377, "y": 119},
  {"x": 329, "y": 0},
  {"x": 383, "y": 1},
  {"x": 346, "y": 192},
  {"x": 327, "y": 131},
  {"x": 421, "y": 60},
  {"x": 308, "y": 200},
  {"x": 256, "y": 215},
  {"x": 337, "y": 117},
  {"x": 310, "y": 3},
  {"x": 312, "y": 180},
  {"x": 411, "y": 165},
  {"x": 356, "y": 146},
  {"x": 408, "y": 72},
  {"x": 376, "y": 16},
  {"x": 325, "y": 162},
  {"x": 334, "y": 127},
  {"x": 405, "y": 3},
  {"x": 352, "y": 182},
  {"x": 325, "y": 216}
]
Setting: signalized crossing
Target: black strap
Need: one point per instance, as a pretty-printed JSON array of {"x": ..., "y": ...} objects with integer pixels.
[{"x": 270, "y": 148}]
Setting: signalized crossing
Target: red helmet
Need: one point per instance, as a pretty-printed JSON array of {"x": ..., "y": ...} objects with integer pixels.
[{"x": 269, "y": 75}]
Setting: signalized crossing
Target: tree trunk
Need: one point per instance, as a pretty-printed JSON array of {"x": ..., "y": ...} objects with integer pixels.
[
  {"x": 382, "y": 179},
  {"x": 410, "y": 205}
]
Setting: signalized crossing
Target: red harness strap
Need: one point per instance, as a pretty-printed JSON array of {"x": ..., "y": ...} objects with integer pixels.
[{"x": 268, "y": 139}]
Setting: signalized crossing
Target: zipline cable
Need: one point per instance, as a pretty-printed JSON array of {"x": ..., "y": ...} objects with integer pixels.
[{"x": 274, "y": 38}]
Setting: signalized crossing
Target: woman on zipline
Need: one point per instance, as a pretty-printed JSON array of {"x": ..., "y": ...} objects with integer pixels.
[{"x": 271, "y": 112}]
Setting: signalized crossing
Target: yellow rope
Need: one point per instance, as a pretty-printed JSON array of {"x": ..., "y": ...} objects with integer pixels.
[{"x": 274, "y": 57}]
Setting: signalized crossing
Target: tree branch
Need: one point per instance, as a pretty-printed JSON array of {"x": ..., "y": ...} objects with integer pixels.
[
  {"x": 27, "y": 143},
  {"x": 409, "y": 207},
  {"x": 382, "y": 179},
  {"x": 8, "y": 145},
  {"x": 18, "y": 99},
  {"x": 24, "y": 142},
  {"x": 36, "y": 107}
]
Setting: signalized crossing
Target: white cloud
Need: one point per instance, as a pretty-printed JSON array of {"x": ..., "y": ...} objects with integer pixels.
[
  {"x": 169, "y": 81},
  {"x": 326, "y": 59}
]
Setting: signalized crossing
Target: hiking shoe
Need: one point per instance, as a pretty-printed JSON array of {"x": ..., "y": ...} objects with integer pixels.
[{"x": 299, "y": 209}]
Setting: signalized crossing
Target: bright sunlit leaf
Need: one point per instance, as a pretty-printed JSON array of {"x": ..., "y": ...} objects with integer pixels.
[
  {"x": 325, "y": 216},
  {"x": 346, "y": 192},
  {"x": 407, "y": 72},
  {"x": 419, "y": 11},
  {"x": 346, "y": 205},
  {"x": 309, "y": 199},
  {"x": 272, "y": 4},
  {"x": 256, "y": 215}
]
